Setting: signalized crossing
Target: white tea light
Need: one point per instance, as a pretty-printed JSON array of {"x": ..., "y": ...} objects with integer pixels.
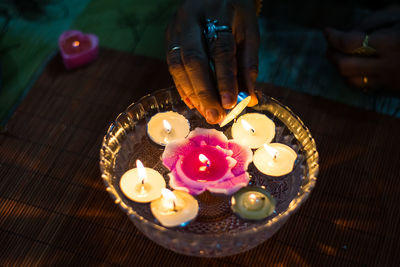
[
  {"x": 142, "y": 184},
  {"x": 174, "y": 208},
  {"x": 253, "y": 130},
  {"x": 274, "y": 159},
  {"x": 165, "y": 127}
]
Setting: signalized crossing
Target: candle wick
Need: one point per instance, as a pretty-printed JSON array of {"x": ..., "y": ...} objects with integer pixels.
[
  {"x": 275, "y": 156},
  {"x": 252, "y": 131},
  {"x": 173, "y": 201},
  {"x": 142, "y": 182},
  {"x": 142, "y": 189}
]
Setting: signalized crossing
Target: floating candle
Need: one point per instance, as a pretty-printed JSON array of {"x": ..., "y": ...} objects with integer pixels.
[
  {"x": 242, "y": 102},
  {"x": 165, "y": 127},
  {"x": 253, "y": 203},
  {"x": 253, "y": 130},
  {"x": 274, "y": 159},
  {"x": 142, "y": 184},
  {"x": 78, "y": 49},
  {"x": 207, "y": 160},
  {"x": 174, "y": 208},
  {"x": 204, "y": 164}
]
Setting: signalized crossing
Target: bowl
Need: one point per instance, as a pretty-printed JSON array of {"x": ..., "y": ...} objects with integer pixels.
[{"x": 216, "y": 231}]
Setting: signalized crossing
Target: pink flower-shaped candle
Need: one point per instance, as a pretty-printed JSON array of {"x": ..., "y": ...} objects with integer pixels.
[{"x": 207, "y": 160}]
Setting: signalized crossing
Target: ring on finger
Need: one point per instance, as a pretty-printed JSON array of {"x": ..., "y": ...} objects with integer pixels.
[
  {"x": 174, "y": 49},
  {"x": 211, "y": 30},
  {"x": 365, "y": 49}
]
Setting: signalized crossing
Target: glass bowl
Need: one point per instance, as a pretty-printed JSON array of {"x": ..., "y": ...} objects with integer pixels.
[{"x": 216, "y": 231}]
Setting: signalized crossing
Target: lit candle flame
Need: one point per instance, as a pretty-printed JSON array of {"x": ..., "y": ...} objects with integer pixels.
[
  {"x": 141, "y": 170},
  {"x": 203, "y": 159},
  {"x": 252, "y": 198},
  {"x": 272, "y": 151},
  {"x": 247, "y": 126},
  {"x": 169, "y": 199},
  {"x": 167, "y": 126},
  {"x": 76, "y": 43}
]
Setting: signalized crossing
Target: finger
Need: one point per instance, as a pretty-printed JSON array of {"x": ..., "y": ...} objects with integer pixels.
[
  {"x": 177, "y": 69},
  {"x": 353, "y": 65},
  {"x": 181, "y": 79},
  {"x": 224, "y": 56},
  {"x": 196, "y": 64},
  {"x": 344, "y": 42},
  {"x": 248, "y": 64},
  {"x": 183, "y": 95},
  {"x": 383, "y": 40},
  {"x": 364, "y": 82},
  {"x": 379, "y": 19}
]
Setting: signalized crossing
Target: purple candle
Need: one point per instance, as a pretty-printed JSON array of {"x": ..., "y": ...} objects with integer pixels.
[
  {"x": 78, "y": 49},
  {"x": 207, "y": 160}
]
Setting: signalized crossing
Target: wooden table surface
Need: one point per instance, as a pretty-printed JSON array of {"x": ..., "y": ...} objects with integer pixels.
[{"x": 55, "y": 211}]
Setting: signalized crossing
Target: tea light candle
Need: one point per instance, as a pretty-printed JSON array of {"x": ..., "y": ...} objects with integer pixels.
[
  {"x": 142, "y": 184},
  {"x": 242, "y": 102},
  {"x": 165, "y": 127},
  {"x": 174, "y": 208},
  {"x": 275, "y": 159},
  {"x": 77, "y": 48},
  {"x": 204, "y": 164},
  {"x": 252, "y": 203},
  {"x": 253, "y": 130}
]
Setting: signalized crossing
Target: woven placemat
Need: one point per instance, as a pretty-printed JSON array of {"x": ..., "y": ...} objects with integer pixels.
[{"x": 54, "y": 209}]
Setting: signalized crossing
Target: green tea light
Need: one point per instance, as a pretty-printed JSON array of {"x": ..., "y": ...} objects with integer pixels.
[{"x": 252, "y": 203}]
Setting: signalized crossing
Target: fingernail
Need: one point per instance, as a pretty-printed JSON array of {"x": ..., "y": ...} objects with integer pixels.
[
  {"x": 253, "y": 100},
  {"x": 212, "y": 115},
  {"x": 227, "y": 100}
]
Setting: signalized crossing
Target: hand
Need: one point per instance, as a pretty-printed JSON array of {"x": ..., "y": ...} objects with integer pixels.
[
  {"x": 235, "y": 55},
  {"x": 376, "y": 72}
]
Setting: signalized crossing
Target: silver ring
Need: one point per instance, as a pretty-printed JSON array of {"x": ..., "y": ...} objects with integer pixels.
[
  {"x": 211, "y": 30},
  {"x": 174, "y": 48}
]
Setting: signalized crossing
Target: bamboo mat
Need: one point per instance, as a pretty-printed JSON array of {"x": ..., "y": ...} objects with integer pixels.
[{"x": 54, "y": 209}]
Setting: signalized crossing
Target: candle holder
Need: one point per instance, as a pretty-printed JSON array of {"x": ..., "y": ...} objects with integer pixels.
[{"x": 216, "y": 231}]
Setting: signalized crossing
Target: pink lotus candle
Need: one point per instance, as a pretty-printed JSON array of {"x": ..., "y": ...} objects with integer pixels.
[
  {"x": 207, "y": 160},
  {"x": 78, "y": 49},
  {"x": 204, "y": 164}
]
